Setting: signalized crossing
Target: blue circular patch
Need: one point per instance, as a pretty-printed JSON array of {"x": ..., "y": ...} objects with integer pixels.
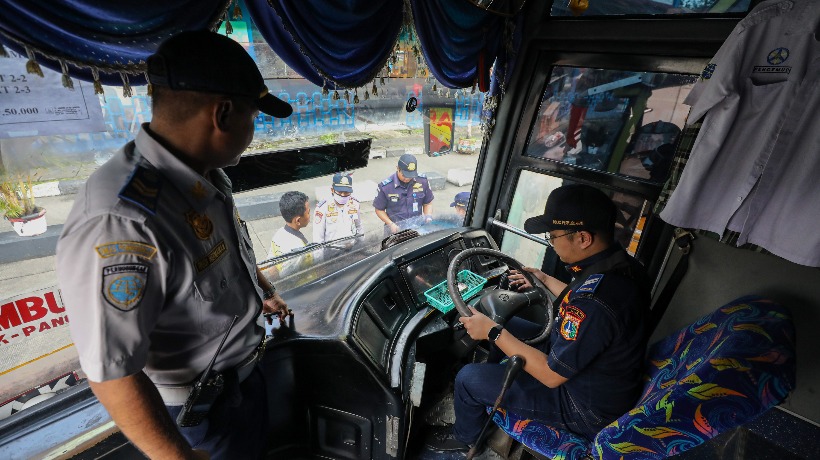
[{"x": 126, "y": 289}]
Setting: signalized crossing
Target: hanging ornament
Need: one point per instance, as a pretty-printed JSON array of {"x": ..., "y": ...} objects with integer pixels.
[
  {"x": 336, "y": 95},
  {"x": 228, "y": 26},
  {"x": 448, "y": 92},
  {"x": 31, "y": 65},
  {"x": 375, "y": 89},
  {"x": 126, "y": 86},
  {"x": 474, "y": 85},
  {"x": 381, "y": 81},
  {"x": 366, "y": 95},
  {"x": 150, "y": 89},
  {"x": 347, "y": 97},
  {"x": 3, "y": 52},
  {"x": 434, "y": 88},
  {"x": 98, "y": 89},
  {"x": 578, "y": 6},
  {"x": 67, "y": 83},
  {"x": 237, "y": 11},
  {"x": 355, "y": 96},
  {"x": 325, "y": 91}
]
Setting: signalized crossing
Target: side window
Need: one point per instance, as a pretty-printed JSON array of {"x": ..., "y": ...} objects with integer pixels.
[
  {"x": 620, "y": 122},
  {"x": 530, "y": 197}
]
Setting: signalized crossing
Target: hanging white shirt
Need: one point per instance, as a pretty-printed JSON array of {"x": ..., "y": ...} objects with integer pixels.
[{"x": 755, "y": 165}]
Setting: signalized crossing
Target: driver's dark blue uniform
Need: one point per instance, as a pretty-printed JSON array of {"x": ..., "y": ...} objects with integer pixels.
[{"x": 597, "y": 342}]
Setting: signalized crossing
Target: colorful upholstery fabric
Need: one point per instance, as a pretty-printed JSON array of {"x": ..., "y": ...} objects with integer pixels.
[
  {"x": 722, "y": 371},
  {"x": 555, "y": 444}
]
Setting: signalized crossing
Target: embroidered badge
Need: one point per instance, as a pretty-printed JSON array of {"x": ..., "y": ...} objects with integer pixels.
[
  {"x": 574, "y": 268},
  {"x": 201, "y": 223},
  {"x": 352, "y": 211},
  {"x": 123, "y": 285},
  {"x": 344, "y": 181},
  {"x": 133, "y": 248},
  {"x": 591, "y": 283},
  {"x": 198, "y": 191},
  {"x": 708, "y": 71},
  {"x": 212, "y": 257},
  {"x": 571, "y": 322},
  {"x": 411, "y": 166},
  {"x": 318, "y": 218},
  {"x": 777, "y": 56}
]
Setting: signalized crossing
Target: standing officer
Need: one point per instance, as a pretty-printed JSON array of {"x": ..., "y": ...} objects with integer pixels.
[
  {"x": 403, "y": 195},
  {"x": 154, "y": 262},
  {"x": 588, "y": 372},
  {"x": 338, "y": 217}
]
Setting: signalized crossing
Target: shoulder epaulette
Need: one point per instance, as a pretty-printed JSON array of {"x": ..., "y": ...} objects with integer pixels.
[
  {"x": 354, "y": 198},
  {"x": 387, "y": 181},
  {"x": 321, "y": 203},
  {"x": 142, "y": 188}
]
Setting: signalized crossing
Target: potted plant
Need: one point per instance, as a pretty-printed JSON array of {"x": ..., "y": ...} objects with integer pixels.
[{"x": 18, "y": 206}]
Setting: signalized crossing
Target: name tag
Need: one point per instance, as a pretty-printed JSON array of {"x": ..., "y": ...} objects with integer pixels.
[{"x": 415, "y": 206}]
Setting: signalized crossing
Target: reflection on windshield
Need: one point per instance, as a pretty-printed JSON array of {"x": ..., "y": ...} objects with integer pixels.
[{"x": 318, "y": 260}]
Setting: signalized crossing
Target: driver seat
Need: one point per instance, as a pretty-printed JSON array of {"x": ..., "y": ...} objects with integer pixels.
[{"x": 722, "y": 371}]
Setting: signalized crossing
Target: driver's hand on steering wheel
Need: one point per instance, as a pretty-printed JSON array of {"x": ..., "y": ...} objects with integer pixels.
[
  {"x": 520, "y": 283},
  {"x": 478, "y": 325}
]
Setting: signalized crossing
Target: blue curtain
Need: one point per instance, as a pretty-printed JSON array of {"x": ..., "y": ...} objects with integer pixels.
[
  {"x": 346, "y": 42},
  {"x": 452, "y": 34},
  {"x": 108, "y": 36}
]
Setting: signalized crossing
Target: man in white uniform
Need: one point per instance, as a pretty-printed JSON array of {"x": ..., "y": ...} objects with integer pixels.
[
  {"x": 154, "y": 261},
  {"x": 337, "y": 217}
]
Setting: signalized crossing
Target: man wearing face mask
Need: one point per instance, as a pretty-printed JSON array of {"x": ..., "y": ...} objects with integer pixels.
[{"x": 337, "y": 217}]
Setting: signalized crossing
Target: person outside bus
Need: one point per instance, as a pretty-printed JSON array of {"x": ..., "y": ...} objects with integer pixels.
[
  {"x": 403, "y": 195},
  {"x": 154, "y": 261},
  {"x": 459, "y": 204},
  {"x": 339, "y": 216},
  {"x": 295, "y": 210},
  {"x": 587, "y": 373}
]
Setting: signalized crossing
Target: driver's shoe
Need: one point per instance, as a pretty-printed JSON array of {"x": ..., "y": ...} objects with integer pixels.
[{"x": 442, "y": 439}]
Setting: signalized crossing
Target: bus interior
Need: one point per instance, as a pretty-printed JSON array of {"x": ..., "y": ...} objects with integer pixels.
[{"x": 552, "y": 93}]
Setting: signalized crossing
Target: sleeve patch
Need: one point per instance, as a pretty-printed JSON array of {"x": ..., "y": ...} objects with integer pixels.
[
  {"x": 133, "y": 248},
  {"x": 571, "y": 322},
  {"x": 123, "y": 285},
  {"x": 590, "y": 284},
  {"x": 318, "y": 217}
]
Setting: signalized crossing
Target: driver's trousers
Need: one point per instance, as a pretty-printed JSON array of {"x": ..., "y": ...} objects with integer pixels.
[{"x": 477, "y": 387}]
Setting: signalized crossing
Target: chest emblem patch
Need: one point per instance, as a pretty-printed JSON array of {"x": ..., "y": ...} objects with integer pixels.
[
  {"x": 201, "y": 223},
  {"x": 777, "y": 56},
  {"x": 123, "y": 285},
  {"x": 571, "y": 322}
]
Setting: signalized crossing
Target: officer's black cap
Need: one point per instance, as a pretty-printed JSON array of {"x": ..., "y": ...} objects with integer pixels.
[
  {"x": 408, "y": 165},
  {"x": 575, "y": 207},
  {"x": 205, "y": 61}
]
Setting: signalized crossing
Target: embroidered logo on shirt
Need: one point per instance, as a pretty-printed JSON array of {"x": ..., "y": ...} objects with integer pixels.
[
  {"x": 417, "y": 187},
  {"x": 591, "y": 283},
  {"x": 212, "y": 257},
  {"x": 777, "y": 56},
  {"x": 318, "y": 217},
  {"x": 123, "y": 285},
  {"x": 201, "y": 223},
  {"x": 134, "y": 248},
  {"x": 571, "y": 322},
  {"x": 708, "y": 71}
]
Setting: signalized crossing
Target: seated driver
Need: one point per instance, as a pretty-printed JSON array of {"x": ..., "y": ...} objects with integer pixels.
[{"x": 587, "y": 372}]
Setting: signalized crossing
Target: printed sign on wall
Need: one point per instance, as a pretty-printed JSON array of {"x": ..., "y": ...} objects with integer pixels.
[{"x": 31, "y": 105}]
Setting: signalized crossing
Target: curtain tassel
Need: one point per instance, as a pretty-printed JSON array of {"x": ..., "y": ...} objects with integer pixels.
[
  {"x": 336, "y": 95},
  {"x": 3, "y": 52},
  {"x": 474, "y": 85},
  {"x": 381, "y": 81},
  {"x": 95, "y": 74},
  {"x": 228, "y": 26},
  {"x": 32, "y": 66},
  {"x": 366, "y": 95},
  {"x": 375, "y": 90},
  {"x": 126, "y": 86},
  {"x": 237, "y": 12},
  {"x": 347, "y": 97},
  {"x": 150, "y": 89},
  {"x": 67, "y": 83},
  {"x": 355, "y": 96}
]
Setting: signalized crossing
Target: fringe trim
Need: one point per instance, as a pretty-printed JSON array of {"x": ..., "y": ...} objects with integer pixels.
[
  {"x": 3, "y": 52},
  {"x": 67, "y": 83},
  {"x": 126, "y": 86},
  {"x": 150, "y": 89},
  {"x": 98, "y": 89},
  {"x": 32, "y": 66}
]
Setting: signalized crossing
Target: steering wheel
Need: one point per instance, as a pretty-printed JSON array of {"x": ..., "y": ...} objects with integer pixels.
[{"x": 501, "y": 304}]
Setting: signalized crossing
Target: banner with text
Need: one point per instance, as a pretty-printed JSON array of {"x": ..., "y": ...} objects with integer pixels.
[{"x": 35, "y": 106}]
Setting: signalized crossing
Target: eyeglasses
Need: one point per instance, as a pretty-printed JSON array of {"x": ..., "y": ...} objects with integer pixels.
[{"x": 549, "y": 237}]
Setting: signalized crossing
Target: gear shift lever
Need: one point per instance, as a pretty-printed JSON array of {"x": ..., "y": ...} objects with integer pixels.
[{"x": 514, "y": 366}]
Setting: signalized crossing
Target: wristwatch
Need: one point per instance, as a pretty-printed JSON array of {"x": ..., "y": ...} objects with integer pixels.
[
  {"x": 495, "y": 333},
  {"x": 269, "y": 293}
]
